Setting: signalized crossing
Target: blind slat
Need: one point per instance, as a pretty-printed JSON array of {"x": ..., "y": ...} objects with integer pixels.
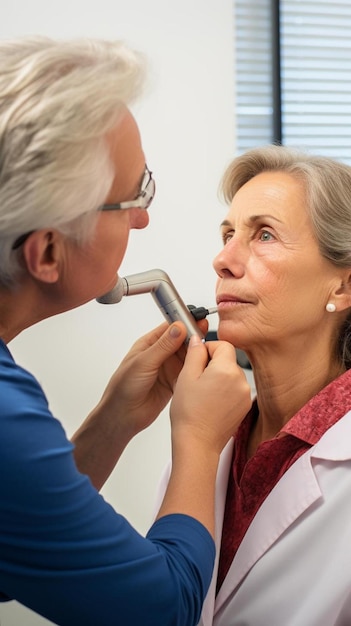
[{"x": 315, "y": 75}]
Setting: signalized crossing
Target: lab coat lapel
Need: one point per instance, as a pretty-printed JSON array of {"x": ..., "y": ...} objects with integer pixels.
[
  {"x": 297, "y": 490},
  {"x": 221, "y": 493},
  {"x": 294, "y": 493}
]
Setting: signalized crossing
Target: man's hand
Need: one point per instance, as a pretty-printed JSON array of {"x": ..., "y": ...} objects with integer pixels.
[{"x": 136, "y": 394}]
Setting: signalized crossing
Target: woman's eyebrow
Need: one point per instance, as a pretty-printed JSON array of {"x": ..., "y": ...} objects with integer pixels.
[
  {"x": 263, "y": 216},
  {"x": 225, "y": 223},
  {"x": 253, "y": 219}
]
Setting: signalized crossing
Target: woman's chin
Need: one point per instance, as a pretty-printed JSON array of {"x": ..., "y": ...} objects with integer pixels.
[{"x": 227, "y": 332}]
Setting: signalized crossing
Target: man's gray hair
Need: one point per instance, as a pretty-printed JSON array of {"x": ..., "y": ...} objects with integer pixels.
[{"x": 58, "y": 99}]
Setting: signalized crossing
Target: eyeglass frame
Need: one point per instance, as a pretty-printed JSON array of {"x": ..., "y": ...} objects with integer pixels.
[{"x": 142, "y": 201}]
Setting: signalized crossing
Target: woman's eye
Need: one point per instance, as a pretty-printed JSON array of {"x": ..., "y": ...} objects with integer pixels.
[
  {"x": 265, "y": 235},
  {"x": 227, "y": 236}
]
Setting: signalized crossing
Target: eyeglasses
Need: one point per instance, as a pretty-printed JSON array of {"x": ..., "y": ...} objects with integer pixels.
[{"x": 142, "y": 201}]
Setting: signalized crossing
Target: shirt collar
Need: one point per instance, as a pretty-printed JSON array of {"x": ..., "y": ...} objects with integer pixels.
[
  {"x": 322, "y": 411},
  {"x": 315, "y": 417}
]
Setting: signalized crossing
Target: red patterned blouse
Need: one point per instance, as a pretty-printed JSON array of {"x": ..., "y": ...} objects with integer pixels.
[{"x": 251, "y": 480}]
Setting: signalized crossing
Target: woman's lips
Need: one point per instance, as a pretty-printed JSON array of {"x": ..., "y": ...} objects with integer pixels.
[{"x": 225, "y": 300}]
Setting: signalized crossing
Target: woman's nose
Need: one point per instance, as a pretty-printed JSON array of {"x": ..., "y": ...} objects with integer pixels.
[
  {"x": 138, "y": 218},
  {"x": 230, "y": 259}
]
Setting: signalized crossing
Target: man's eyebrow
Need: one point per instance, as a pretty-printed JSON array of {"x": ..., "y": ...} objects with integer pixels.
[{"x": 253, "y": 219}]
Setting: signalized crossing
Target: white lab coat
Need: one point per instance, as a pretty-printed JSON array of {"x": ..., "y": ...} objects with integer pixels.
[{"x": 293, "y": 567}]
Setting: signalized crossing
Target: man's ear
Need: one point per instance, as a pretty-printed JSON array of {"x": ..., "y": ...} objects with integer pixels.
[{"x": 41, "y": 255}]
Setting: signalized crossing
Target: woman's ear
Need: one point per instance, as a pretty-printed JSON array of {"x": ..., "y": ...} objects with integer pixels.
[
  {"x": 41, "y": 255},
  {"x": 342, "y": 294}
]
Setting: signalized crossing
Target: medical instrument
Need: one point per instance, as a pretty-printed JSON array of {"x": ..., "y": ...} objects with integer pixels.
[{"x": 163, "y": 291}]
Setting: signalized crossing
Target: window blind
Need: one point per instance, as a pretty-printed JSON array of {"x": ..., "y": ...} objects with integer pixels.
[
  {"x": 253, "y": 62},
  {"x": 315, "y": 61},
  {"x": 316, "y": 76}
]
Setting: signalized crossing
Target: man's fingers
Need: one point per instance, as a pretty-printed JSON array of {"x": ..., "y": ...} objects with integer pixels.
[{"x": 167, "y": 344}]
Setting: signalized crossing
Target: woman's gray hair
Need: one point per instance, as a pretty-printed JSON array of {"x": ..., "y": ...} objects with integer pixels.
[
  {"x": 58, "y": 99},
  {"x": 327, "y": 185}
]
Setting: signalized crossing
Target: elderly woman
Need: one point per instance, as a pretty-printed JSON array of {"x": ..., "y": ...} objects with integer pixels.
[
  {"x": 73, "y": 182},
  {"x": 284, "y": 484},
  {"x": 283, "y": 512}
]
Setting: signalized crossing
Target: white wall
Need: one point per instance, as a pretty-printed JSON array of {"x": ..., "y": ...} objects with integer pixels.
[{"x": 187, "y": 124}]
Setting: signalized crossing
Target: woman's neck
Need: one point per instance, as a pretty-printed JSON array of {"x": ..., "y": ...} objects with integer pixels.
[{"x": 284, "y": 386}]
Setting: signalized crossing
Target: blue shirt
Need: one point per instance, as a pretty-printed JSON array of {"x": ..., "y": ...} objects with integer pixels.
[{"x": 64, "y": 551}]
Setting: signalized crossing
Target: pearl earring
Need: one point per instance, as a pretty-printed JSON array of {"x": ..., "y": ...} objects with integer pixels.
[{"x": 330, "y": 307}]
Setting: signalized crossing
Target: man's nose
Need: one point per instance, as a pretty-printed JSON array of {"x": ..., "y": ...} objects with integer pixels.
[{"x": 138, "y": 218}]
